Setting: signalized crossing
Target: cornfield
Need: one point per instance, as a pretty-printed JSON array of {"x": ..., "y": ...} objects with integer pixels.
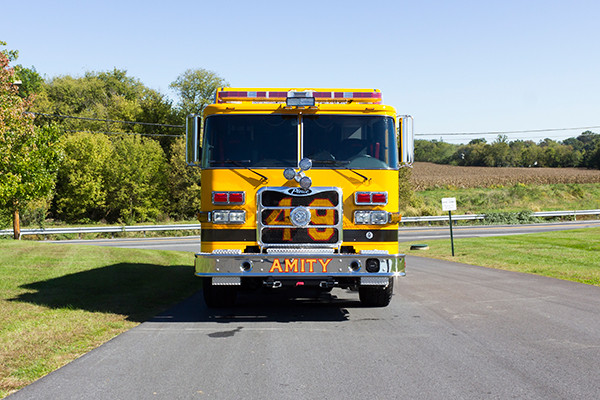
[{"x": 429, "y": 175}]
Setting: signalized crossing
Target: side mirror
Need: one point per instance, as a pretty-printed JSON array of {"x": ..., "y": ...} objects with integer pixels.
[
  {"x": 407, "y": 139},
  {"x": 193, "y": 129}
]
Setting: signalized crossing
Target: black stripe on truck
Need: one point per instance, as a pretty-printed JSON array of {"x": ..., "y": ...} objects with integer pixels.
[
  {"x": 228, "y": 235},
  {"x": 362, "y": 235},
  {"x": 249, "y": 235}
]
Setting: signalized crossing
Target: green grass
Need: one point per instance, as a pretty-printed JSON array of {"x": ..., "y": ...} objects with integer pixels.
[
  {"x": 570, "y": 255},
  {"x": 519, "y": 197},
  {"x": 57, "y": 302}
]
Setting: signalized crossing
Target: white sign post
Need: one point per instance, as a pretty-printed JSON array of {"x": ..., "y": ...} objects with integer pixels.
[{"x": 449, "y": 204}]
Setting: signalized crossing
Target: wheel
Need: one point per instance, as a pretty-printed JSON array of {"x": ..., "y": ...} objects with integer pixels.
[
  {"x": 218, "y": 296},
  {"x": 376, "y": 296}
]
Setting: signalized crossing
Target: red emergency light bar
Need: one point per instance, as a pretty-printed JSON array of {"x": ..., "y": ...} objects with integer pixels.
[{"x": 279, "y": 96}]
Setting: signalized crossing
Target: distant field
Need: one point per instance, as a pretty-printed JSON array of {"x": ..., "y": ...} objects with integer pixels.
[{"x": 429, "y": 175}]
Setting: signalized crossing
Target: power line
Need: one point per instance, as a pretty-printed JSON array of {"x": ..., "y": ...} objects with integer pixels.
[
  {"x": 505, "y": 132},
  {"x": 125, "y": 133},
  {"x": 104, "y": 120}
]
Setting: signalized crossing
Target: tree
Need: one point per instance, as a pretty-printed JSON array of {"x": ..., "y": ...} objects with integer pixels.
[
  {"x": 80, "y": 190},
  {"x": 434, "y": 151},
  {"x": 135, "y": 179},
  {"x": 183, "y": 183},
  {"x": 110, "y": 95},
  {"x": 196, "y": 89},
  {"x": 31, "y": 81},
  {"x": 29, "y": 156}
]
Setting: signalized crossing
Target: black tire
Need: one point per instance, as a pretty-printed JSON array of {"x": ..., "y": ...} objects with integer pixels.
[
  {"x": 376, "y": 296},
  {"x": 218, "y": 296}
]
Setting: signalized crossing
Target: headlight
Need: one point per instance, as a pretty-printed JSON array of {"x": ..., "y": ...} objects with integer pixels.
[
  {"x": 364, "y": 217},
  {"x": 228, "y": 217}
]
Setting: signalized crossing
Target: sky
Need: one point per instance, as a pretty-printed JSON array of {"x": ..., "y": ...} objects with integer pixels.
[{"x": 455, "y": 66}]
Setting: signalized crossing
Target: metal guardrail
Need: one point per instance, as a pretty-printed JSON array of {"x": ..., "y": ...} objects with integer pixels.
[
  {"x": 103, "y": 229},
  {"x": 149, "y": 228},
  {"x": 541, "y": 214},
  {"x": 435, "y": 218}
]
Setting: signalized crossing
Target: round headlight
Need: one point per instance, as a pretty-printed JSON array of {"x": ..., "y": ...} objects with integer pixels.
[
  {"x": 305, "y": 182},
  {"x": 305, "y": 164},
  {"x": 289, "y": 173}
]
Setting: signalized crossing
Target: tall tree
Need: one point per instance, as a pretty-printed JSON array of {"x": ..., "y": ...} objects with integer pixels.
[
  {"x": 29, "y": 156},
  {"x": 183, "y": 184},
  {"x": 110, "y": 95},
  {"x": 135, "y": 179},
  {"x": 80, "y": 190},
  {"x": 196, "y": 89}
]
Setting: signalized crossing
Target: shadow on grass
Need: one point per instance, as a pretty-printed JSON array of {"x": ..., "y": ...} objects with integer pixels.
[{"x": 138, "y": 291}]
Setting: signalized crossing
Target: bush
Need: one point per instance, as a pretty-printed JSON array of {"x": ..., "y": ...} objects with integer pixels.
[{"x": 510, "y": 218}]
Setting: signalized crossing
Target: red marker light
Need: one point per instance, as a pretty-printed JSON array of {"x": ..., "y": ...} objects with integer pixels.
[
  {"x": 220, "y": 197},
  {"x": 236, "y": 197},
  {"x": 379, "y": 198},
  {"x": 363, "y": 198}
]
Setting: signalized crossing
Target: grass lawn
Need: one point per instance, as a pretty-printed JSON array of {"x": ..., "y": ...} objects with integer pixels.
[
  {"x": 57, "y": 301},
  {"x": 571, "y": 255}
]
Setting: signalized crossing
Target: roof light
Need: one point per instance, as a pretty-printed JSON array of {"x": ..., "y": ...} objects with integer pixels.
[{"x": 300, "y": 99}]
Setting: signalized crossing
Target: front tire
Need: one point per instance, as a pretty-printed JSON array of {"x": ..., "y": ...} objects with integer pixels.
[
  {"x": 217, "y": 296},
  {"x": 376, "y": 296}
]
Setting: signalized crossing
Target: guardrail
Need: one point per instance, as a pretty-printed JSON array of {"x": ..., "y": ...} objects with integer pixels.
[
  {"x": 149, "y": 228},
  {"x": 103, "y": 229},
  {"x": 542, "y": 214}
]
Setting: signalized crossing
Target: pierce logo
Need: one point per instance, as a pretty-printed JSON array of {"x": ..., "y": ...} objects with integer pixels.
[{"x": 299, "y": 191}]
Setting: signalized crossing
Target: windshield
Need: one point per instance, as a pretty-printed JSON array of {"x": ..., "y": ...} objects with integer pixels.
[
  {"x": 250, "y": 141},
  {"x": 331, "y": 141},
  {"x": 350, "y": 141}
]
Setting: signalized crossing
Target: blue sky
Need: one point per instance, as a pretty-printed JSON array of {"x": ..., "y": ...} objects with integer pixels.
[{"x": 456, "y": 66}]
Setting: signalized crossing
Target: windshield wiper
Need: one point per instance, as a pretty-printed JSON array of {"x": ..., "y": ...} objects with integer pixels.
[
  {"x": 240, "y": 164},
  {"x": 341, "y": 163}
]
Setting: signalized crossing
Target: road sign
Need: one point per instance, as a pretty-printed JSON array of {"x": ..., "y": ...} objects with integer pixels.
[{"x": 449, "y": 204}]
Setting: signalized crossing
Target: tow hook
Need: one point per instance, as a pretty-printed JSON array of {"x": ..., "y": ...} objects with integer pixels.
[
  {"x": 273, "y": 284},
  {"x": 327, "y": 284}
]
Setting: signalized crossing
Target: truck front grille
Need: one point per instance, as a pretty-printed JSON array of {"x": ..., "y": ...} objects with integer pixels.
[{"x": 276, "y": 228}]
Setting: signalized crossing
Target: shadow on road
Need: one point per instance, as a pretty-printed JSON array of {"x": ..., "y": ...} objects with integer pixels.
[
  {"x": 138, "y": 291},
  {"x": 141, "y": 291},
  {"x": 258, "y": 307}
]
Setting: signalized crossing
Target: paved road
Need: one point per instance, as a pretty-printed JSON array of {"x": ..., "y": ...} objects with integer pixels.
[
  {"x": 406, "y": 234},
  {"x": 453, "y": 331}
]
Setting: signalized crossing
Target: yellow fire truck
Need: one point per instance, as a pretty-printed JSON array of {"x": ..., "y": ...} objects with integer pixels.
[{"x": 299, "y": 190}]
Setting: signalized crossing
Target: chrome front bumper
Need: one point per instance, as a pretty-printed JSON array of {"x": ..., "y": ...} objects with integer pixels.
[{"x": 300, "y": 264}]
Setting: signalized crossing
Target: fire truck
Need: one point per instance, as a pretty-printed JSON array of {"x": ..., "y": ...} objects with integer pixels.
[{"x": 299, "y": 190}]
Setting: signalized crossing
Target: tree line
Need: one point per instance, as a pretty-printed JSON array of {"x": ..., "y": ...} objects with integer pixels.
[
  {"x": 101, "y": 147},
  {"x": 581, "y": 151}
]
